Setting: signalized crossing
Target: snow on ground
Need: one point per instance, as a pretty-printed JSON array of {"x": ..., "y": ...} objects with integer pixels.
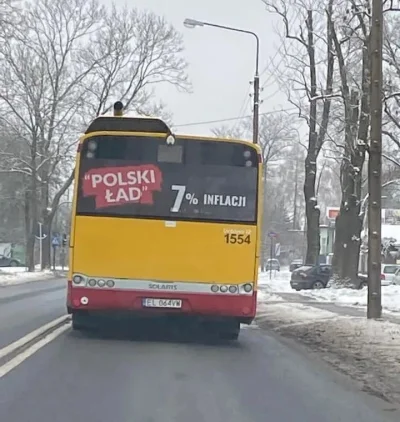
[
  {"x": 280, "y": 283},
  {"x": 366, "y": 350},
  {"x": 354, "y": 297},
  {"x": 20, "y": 275},
  {"x": 277, "y": 281}
]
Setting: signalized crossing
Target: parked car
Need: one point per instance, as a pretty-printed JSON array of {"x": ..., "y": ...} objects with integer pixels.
[
  {"x": 296, "y": 263},
  {"x": 396, "y": 278},
  {"x": 388, "y": 273},
  {"x": 311, "y": 277},
  {"x": 6, "y": 261},
  {"x": 272, "y": 264}
]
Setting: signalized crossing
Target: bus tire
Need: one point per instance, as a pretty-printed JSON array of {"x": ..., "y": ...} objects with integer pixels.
[
  {"x": 231, "y": 332},
  {"x": 78, "y": 322},
  {"x": 230, "y": 335}
]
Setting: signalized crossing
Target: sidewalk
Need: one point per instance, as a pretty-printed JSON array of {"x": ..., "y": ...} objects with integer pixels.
[
  {"x": 366, "y": 350},
  {"x": 12, "y": 276},
  {"x": 335, "y": 308}
]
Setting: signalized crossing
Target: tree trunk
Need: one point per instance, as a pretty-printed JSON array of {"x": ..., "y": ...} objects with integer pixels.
[
  {"x": 31, "y": 223},
  {"x": 349, "y": 223},
  {"x": 312, "y": 211},
  {"x": 46, "y": 243},
  {"x": 29, "y": 247}
]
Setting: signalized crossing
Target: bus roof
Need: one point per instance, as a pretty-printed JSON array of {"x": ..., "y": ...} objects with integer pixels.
[
  {"x": 107, "y": 123},
  {"x": 218, "y": 138},
  {"x": 127, "y": 124}
]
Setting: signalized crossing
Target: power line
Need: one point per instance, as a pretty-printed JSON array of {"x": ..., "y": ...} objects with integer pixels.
[
  {"x": 244, "y": 106},
  {"x": 230, "y": 119},
  {"x": 277, "y": 52}
]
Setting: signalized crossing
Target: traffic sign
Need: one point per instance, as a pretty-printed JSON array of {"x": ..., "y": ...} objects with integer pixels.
[
  {"x": 55, "y": 241},
  {"x": 272, "y": 234}
]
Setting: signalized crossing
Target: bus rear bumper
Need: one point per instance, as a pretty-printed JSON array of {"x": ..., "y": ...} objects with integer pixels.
[{"x": 98, "y": 301}]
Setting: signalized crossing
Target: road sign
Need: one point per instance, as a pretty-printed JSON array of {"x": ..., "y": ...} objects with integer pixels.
[
  {"x": 278, "y": 249},
  {"x": 55, "y": 241},
  {"x": 272, "y": 234}
]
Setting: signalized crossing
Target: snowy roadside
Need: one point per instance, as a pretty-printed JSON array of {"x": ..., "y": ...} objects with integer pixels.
[
  {"x": 366, "y": 350},
  {"x": 12, "y": 276},
  {"x": 280, "y": 283}
]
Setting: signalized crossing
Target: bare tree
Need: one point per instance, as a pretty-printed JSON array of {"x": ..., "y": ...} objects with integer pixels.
[
  {"x": 236, "y": 132},
  {"x": 61, "y": 67},
  {"x": 310, "y": 60},
  {"x": 354, "y": 85},
  {"x": 145, "y": 51}
]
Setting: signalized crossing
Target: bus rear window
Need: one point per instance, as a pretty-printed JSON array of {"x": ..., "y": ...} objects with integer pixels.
[{"x": 127, "y": 176}]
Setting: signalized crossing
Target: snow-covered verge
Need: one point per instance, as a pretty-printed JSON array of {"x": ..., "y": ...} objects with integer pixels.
[
  {"x": 358, "y": 298},
  {"x": 280, "y": 283},
  {"x": 366, "y": 350},
  {"x": 19, "y": 275},
  {"x": 277, "y": 281}
]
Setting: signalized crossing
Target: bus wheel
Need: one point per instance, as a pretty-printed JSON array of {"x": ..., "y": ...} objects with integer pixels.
[
  {"x": 230, "y": 332},
  {"x": 79, "y": 322}
]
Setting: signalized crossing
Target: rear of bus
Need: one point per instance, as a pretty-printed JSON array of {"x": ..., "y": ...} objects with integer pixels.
[{"x": 164, "y": 225}]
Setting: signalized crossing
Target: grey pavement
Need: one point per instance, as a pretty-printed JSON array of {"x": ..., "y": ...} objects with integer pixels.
[
  {"x": 156, "y": 374},
  {"x": 120, "y": 378},
  {"x": 26, "y": 307}
]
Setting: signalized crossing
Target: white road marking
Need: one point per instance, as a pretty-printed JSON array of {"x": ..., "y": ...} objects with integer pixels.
[
  {"x": 31, "y": 336},
  {"x": 10, "y": 365}
]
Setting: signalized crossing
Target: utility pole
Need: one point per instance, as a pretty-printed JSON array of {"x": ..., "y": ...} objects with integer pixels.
[
  {"x": 296, "y": 176},
  {"x": 256, "y": 105},
  {"x": 374, "y": 309}
]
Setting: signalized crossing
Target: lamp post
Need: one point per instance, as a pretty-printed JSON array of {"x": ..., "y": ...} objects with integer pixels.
[{"x": 192, "y": 23}]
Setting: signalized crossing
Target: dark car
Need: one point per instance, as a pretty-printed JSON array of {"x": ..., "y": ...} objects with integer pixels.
[
  {"x": 6, "y": 261},
  {"x": 311, "y": 277},
  {"x": 296, "y": 263}
]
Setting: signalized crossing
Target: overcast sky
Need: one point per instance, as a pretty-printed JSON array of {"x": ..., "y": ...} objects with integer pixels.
[{"x": 221, "y": 63}]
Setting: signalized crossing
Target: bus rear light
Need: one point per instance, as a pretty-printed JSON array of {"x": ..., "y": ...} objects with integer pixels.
[
  {"x": 84, "y": 300},
  {"x": 232, "y": 289},
  {"x": 92, "y": 282},
  {"x": 110, "y": 283},
  {"x": 223, "y": 289},
  {"x": 248, "y": 288},
  {"x": 214, "y": 288},
  {"x": 77, "y": 279},
  {"x": 92, "y": 145},
  {"x": 101, "y": 283}
]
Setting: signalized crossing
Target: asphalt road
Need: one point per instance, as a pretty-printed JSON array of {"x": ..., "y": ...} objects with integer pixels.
[
  {"x": 26, "y": 307},
  {"x": 159, "y": 375}
]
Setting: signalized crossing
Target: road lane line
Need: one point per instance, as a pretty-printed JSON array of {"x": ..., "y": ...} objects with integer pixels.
[
  {"x": 10, "y": 365},
  {"x": 31, "y": 336}
]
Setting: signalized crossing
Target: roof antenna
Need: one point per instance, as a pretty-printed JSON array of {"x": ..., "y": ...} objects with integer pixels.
[{"x": 118, "y": 108}]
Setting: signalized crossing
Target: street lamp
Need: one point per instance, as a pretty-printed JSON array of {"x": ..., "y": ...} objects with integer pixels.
[{"x": 192, "y": 23}]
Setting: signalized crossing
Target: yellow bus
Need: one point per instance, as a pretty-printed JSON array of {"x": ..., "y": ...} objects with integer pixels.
[{"x": 164, "y": 225}]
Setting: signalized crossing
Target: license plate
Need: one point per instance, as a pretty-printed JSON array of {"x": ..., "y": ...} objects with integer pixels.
[{"x": 162, "y": 303}]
